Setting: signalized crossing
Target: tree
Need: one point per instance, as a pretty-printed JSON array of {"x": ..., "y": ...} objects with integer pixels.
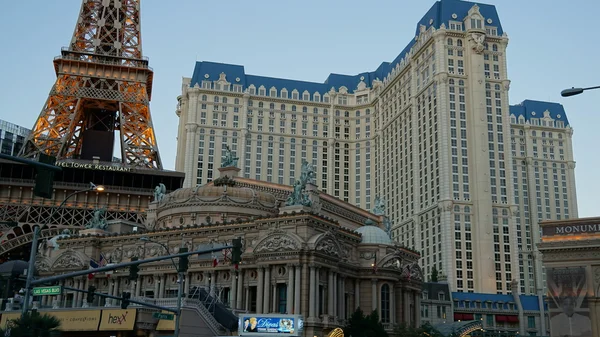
[
  {"x": 32, "y": 324},
  {"x": 434, "y": 274},
  {"x": 360, "y": 325},
  {"x": 426, "y": 330}
]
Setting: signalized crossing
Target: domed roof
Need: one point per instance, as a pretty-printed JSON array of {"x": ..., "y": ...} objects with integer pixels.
[{"x": 374, "y": 235}]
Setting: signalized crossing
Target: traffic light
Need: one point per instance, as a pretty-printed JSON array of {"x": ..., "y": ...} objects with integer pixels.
[
  {"x": 236, "y": 252},
  {"x": 90, "y": 294},
  {"x": 44, "y": 178},
  {"x": 183, "y": 261},
  {"x": 125, "y": 301},
  {"x": 134, "y": 270}
]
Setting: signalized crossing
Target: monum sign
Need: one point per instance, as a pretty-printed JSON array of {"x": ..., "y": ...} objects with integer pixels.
[{"x": 570, "y": 229}]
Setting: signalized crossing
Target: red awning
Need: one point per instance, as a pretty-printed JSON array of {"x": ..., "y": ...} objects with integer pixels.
[
  {"x": 500, "y": 318},
  {"x": 512, "y": 319},
  {"x": 468, "y": 317},
  {"x": 458, "y": 317}
]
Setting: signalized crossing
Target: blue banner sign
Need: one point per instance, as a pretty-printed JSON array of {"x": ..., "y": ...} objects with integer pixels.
[{"x": 269, "y": 325}]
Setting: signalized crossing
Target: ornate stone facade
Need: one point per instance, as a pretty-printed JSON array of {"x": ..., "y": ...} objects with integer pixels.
[
  {"x": 571, "y": 257},
  {"x": 321, "y": 265}
]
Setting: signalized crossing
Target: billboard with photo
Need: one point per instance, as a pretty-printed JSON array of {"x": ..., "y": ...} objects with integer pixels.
[
  {"x": 567, "y": 302},
  {"x": 272, "y": 325}
]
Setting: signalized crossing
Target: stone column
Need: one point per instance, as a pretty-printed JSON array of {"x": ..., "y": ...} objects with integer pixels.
[
  {"x": 161, "y": 289},
  {"x": 240, "y": 289},
  {"x": 356, "y": 294},
  {"x": 138, "y": 286},
  {"x": 392, "y": 305},
  {"x": 374, "y": 294},
  {"x": 318, "y": 297},
  {"x": 233, "y": 290},
  {"x": 336, "y": 291},
  {"x": 267, "y": 290},
  {"x": 313, "y": 294},
  {"x": 77, "y": 284},
  {"x": 343, "y": 297},
  {"x": 417, "y": 306},
  {"x": 330, "y": 298},
  {"x": 213, "y": 281},
  {"x": 260, "y": 290},
  {"x": 290, "y": 290},
  {"x": 156, "y": 280},
  {"x": 207, "y": 277},
  {"x": 247, "y": 301},
  {"x": 406, "y": 305},
  {"x": 297, "y": 286},
  {"x": 186, "y": 284},
  {"x": 274, "y": 306}
]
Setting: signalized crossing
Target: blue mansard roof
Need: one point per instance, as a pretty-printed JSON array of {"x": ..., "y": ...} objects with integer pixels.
[
  {"x": 529, "y": 302},
  {"x": 535, "y": 109},
  {"x": 440, "y": 13}
]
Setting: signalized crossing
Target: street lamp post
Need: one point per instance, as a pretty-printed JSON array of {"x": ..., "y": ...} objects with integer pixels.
[
  {"x": 576, "y": 91},
  {"x": 34, "y": 242},
  {"x": 179, "y": 284}
]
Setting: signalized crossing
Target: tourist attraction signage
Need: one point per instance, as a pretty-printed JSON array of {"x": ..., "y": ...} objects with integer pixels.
[
  {"x": 92, "y": 166},
  {"x": 552, "y": 229}
]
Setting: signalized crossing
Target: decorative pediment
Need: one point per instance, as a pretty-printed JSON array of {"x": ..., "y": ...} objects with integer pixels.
[
  {"x": 328, "y": 245},
  {"x": 70, "y": 260},
  {"x": 415, "y": 272},
  {"x": 277, "y": 243},
  {"x": 42, "y": 265},
  {"x": 394, "y": 263}
]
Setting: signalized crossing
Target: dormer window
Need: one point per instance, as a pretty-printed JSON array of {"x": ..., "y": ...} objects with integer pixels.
[
  {"x": 342, "y": 100},
  {"x": 252, "y": 90},
  {"x": 305, "y": 96},
  {"x": 261, "y": 91},
  {"x": 441, "y": 296},
  {"x": 273, "y": 92},
  {"x": 454, "y": 25},
  {"x": 284, "y": 93},
  {"x": 492, "y": 31},
  {"x": 424, "y": 295},
  {"x": 476, "y": 23},
  {"x": 295, "y": 94}
]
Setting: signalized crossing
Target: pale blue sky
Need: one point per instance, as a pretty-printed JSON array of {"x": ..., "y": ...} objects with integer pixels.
[{"x": 554, "y": 44}]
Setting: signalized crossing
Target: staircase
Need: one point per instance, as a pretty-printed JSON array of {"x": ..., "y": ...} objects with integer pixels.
[
  {"x": 219, "y": 311},
  {"x": 196, "y": 306}
]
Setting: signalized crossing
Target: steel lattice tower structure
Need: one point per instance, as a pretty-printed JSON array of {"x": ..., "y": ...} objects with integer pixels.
[{"x": 103, "y": 85}]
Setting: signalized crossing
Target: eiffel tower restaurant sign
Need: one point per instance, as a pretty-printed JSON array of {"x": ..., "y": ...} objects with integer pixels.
[{"x": 93, "y": 166}]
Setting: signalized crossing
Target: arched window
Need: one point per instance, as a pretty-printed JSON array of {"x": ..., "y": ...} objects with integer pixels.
[
  {"x": 260, "y": 104},
  {"x": 385, "y": 303},
  {"x": 272, "y": 106},
  {"x": 304, "y": 109},
  {"x": 216, "y": 99},
  {"x": 204, "y": 98},
  {"x": 494, "y": 47},
  {"x": 459, "y": 42},
  {"x": 293, "y": 108},
  {"x": 449, "y": 42},
  {"x": 283, "y": 107},
  {"x": 236, "y": 101},
  {"x": 224, "y": 99}
]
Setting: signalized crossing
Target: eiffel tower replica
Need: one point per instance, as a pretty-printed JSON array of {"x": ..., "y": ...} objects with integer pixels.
[{"x": 102, "y": 91}]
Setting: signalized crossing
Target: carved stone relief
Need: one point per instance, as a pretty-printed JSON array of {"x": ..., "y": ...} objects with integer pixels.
[
  {"x": 42, "y": 265},
  {"x": 277, "y": 243},
  {"x": 328, "y": 246},
  {"x": 68, "y": 260}
]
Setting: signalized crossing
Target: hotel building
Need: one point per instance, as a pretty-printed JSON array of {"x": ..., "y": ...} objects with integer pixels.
[
  {"x": 12, "y": 137},
  {"x": 431, "y": 133}
]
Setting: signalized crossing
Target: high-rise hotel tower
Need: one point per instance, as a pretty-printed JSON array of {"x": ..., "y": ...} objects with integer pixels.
[{"x": 465, "y": 176}]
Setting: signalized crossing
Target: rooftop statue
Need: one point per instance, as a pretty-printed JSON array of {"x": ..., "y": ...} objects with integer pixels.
[
  {"x": 98, "y": 221},
  {"x": 300, "y": 196},
  {"x": 379, "y": 208},
  {"x": 229, "y": 159},
  {"x": 159, "y": 192}
]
